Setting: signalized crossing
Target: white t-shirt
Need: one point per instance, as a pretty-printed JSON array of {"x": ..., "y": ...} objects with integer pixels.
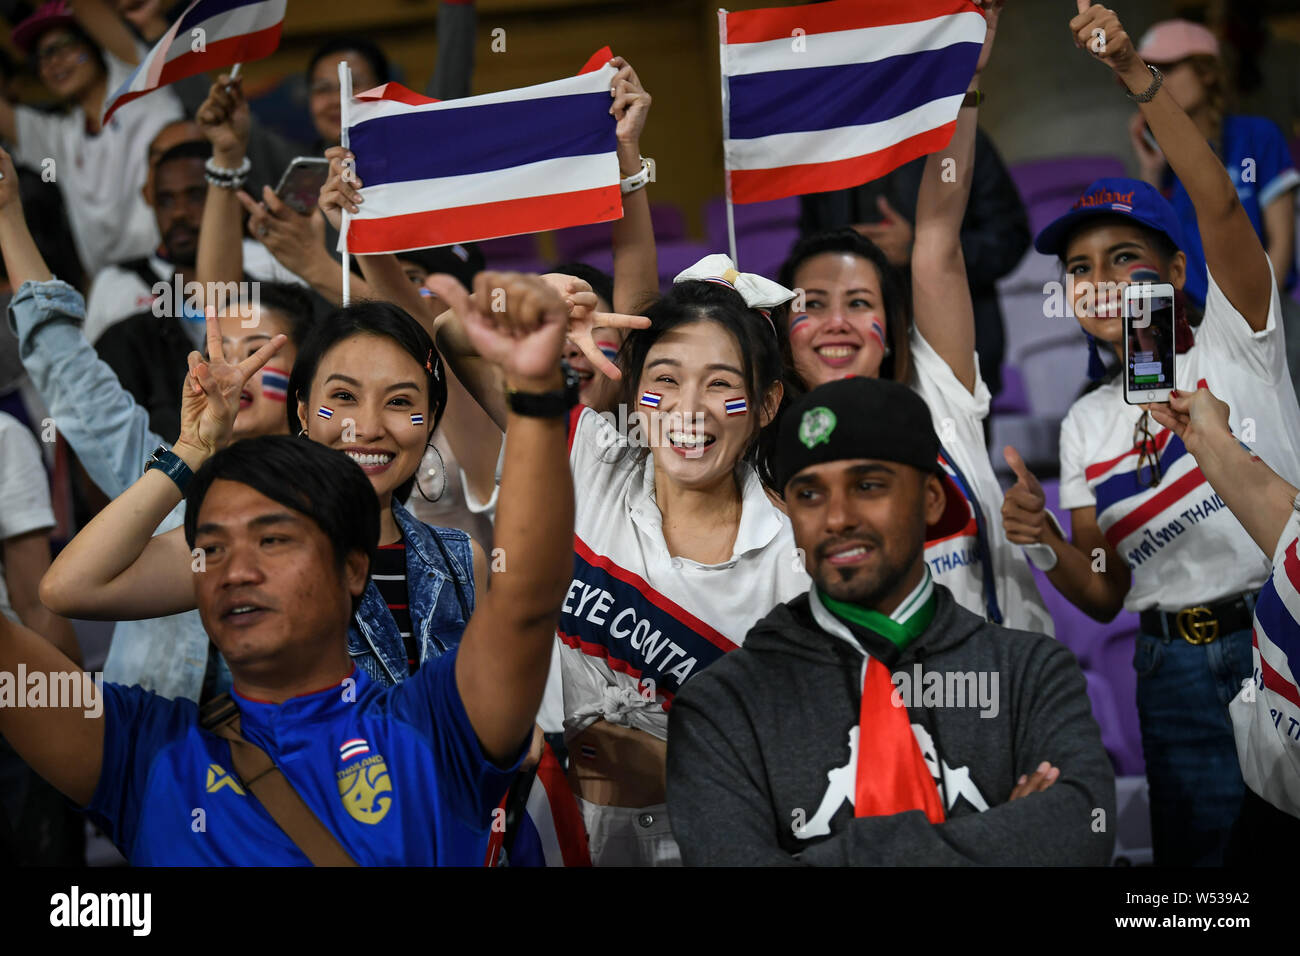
[
  {"x": 1183, "y": 545},
  {"x": 117, "y": 293},
  {"x": 633, "y": 612},
  {"x": 1266, "y": 713},
  {"x": 24, "y": 491},
  {"x": 101, "y": 176},
  {"x": 958, "y": 415}
]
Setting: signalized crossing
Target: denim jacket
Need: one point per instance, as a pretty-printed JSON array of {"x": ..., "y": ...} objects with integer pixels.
[
  {"x": 439, "y": 620},
  {"x": 110, "y": 434}
]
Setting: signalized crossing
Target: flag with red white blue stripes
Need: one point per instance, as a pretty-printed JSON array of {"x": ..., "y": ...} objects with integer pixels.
[
  {"x": 1266, "y": 714},
  {"x": 209, "y": 35},
  {"x": 832, "y": 95},
  {"x": 436, "y": 173},
  {"x": 550, "y": 831}
]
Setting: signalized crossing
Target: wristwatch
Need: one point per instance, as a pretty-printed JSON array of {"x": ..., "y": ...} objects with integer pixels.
[
  {"x": 638, "y": 180},
  {"x": 554, "y": 404},
  {"x": 171, "y": 465}
]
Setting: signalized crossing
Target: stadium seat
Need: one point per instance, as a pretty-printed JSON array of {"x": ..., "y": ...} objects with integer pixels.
[{"x": 775, "y": 216}]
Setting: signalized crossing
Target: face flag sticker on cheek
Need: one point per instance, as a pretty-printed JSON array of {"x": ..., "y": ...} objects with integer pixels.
[
  {"x": 801, "y": 323},
  {"x": 877, "y": 332},
  {"x": 325, "y": 412},
  {"x": 736, "y": 406},
  {"x": 1143, "y": 273},
  {"x": 275, "y": 384},
  {"x": 609, "y": 350},
  {"x": 651, "y": 399},
  {"x": 417, "y": 418}
]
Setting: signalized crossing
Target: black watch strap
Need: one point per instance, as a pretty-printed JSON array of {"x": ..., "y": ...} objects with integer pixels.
[
  {"x": 171, "y": 465},
  {"x": 555, "y": 404}
]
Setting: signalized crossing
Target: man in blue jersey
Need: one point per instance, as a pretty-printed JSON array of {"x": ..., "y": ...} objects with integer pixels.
[{"x": 286, "y": 529}]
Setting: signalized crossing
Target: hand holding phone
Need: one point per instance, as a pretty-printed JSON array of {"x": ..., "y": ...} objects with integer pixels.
[{"x": 301, "y": 183}]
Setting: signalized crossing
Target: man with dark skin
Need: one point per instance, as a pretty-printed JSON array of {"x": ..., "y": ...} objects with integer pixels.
[{"x": 933, "y": 776}]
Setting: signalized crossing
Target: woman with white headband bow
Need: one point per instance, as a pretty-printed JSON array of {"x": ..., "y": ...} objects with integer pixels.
[
  {"x": 853, "y": 320},
  {"x": 677, "y": 549}
]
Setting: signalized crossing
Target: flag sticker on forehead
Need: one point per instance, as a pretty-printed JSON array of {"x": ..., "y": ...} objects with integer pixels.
[
  {"x": 438, "y": 173},
  {"x": 233, "y": 31},
  {"x": 832, "y": 95}
]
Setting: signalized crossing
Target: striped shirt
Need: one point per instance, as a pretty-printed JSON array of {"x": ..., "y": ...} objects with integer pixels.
[{"x": 389, "y": 575}]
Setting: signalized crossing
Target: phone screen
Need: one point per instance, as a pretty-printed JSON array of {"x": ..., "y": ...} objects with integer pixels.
[
  {"x": 1150, "y": 330},
  {"x": 301, "y": 184}
]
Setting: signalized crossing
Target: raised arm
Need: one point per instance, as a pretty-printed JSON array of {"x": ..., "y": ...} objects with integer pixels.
[
  {"x": 636, "y": 263},
  {"x": 942, "y": 307},
  {"x": 1233, "y": 251},
  {"x": 1256, "y": 495},
  {"x": 115, "y": 568},
  {"x": 65, "y": 745},
  {"x": 107, "y": 29},
  {"x": 224, "y": 119},
  {"x": 504, "y": 656}
]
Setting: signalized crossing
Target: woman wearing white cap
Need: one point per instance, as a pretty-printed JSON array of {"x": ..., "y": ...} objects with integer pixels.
[{"x": 1148, "y": 533}]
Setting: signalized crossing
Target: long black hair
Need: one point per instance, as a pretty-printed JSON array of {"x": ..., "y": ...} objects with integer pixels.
[{"x": 382, "y": 319}]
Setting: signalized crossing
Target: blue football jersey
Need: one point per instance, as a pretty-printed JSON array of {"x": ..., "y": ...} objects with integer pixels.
[{"x": 395, "y": 773}]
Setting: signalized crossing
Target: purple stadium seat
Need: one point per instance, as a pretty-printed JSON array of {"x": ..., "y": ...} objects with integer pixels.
[
  {"x": 1012, "y": 400},
  {"x": 779, "y": 214},
  {"x": 580, "y": 242},
  {"x": 512, "y": 253},
  {"x": 1050, "y": 186},
  {"x": 679, "y": 254}
]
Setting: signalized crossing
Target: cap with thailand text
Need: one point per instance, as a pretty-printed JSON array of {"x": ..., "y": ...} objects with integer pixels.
[{"x": 1112, "y": 196}]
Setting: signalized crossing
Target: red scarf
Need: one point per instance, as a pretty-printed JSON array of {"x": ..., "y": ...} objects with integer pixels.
[{"x": 892, "y": 776}]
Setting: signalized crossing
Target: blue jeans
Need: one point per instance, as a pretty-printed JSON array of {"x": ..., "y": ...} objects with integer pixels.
[{"x": 1196, "y": 789}]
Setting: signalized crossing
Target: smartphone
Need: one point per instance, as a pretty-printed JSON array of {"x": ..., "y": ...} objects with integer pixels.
[
  {"x": 1149, "y": 139},
  {"x": 1148, "y": 342},
  {"x": 301, "y": 183}
]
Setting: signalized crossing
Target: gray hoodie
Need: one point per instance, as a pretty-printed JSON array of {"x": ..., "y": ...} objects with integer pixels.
[{"x": 761, "y": 748}]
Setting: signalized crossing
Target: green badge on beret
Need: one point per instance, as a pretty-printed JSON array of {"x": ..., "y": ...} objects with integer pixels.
[{"x": 816, "y": 427}]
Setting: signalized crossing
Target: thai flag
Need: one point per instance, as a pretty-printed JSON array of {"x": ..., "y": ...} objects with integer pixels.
[
  {"x": 1267, "y": 709},
  {"x": 233, "y": 31},
  {"x": 735, "y": 406},
  {"x": 325, "y": 412},
  {"x": 355, "y": 747},
  {"x": 550, "y": 830},
  {"x": 438, "y": 173},
  {"x": 832, "y": 95},
  {"x": 275, "y": 384},
  {"x": 417, "y": 418},
  {"x": 651, "y": 399}
]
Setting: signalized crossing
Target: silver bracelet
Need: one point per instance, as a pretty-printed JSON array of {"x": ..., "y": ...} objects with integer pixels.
[
  {"x": 1157, "y": 80},
  {"x": 224, "y": 178}
]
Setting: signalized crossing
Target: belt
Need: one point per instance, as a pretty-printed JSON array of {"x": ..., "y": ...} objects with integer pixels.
[{"x": 1203, "y": 624}]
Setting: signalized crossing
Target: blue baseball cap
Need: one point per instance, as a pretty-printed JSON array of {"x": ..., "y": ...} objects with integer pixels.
[{"x": 1113, "y": 196}]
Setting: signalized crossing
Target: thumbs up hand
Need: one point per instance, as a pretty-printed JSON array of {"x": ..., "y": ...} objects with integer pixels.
[
  {"x": 1098, "y": 30},
  {"x": 1024, "y": 507}
]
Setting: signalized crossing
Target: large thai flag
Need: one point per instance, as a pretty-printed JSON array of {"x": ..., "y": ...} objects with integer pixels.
[
  {"x": 833, "y": 95},
  {"x": 233, "y": 31},
  {"x": 438, "y": 173}
]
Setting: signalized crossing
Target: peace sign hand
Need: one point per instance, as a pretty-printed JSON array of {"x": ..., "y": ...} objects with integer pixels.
[
  {"x": 210, "y": 397},
  {"x": 584, "y": 319}
]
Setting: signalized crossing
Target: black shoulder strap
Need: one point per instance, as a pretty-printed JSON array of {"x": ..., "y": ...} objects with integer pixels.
[
  {"x": 142, "y": 269},
  {"x": 267, "y": 784}
]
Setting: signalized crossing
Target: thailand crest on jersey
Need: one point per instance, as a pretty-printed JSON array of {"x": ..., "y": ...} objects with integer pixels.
[{"x": 364, "y": 784}]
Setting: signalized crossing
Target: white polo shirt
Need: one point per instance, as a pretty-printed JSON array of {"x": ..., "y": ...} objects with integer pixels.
[
  {"x": 1183, "y": 545},
  {"x": 24, "y": 491},
  {"x": 100, "y": 176},
  {"x": 634, "y": 613},
  {"x": 958, "y": 415}
]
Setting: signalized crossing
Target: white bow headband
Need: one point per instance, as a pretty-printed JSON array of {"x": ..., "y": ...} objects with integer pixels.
[{"x": 762, "y": 295}]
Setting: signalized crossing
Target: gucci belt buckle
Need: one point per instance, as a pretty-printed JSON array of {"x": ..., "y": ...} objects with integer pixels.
[{"x": 1197, "y": 625}]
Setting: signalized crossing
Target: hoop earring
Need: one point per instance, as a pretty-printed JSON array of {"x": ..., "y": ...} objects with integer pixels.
[
  {"x": 302, "y": 433},
  {"x": 437, "y": 472}
]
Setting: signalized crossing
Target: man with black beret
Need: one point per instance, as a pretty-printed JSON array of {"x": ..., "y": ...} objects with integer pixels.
[{"x": 874, "y": 721}]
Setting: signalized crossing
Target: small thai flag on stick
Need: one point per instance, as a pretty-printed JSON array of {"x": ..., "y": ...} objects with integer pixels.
[
  {"x": 736, "y": 406},
  {"x": 325, "y": 412},
  {"x": 275, "y": 384},
  {"x": 651, "y": 399}
]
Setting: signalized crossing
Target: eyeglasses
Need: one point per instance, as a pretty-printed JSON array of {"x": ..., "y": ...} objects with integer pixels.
[
  {"x": 52, "y": 51},
  {"x": 1148, "y": 454}
]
